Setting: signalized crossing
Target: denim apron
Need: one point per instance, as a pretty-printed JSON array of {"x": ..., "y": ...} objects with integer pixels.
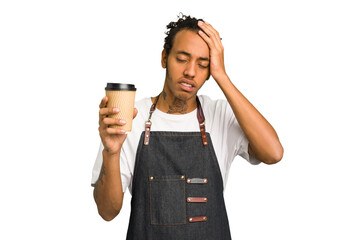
[{"x": 177, "y": 188}]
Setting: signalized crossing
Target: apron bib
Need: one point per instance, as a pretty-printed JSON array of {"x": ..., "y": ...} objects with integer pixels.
[{"x": 177, "y": 187}]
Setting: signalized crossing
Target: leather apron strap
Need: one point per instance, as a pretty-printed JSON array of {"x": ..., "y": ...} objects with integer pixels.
[{"x": 200, "y": 117}]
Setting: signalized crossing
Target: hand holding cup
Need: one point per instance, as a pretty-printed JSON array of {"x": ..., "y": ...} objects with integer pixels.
[{"x": 112, "y": 138}]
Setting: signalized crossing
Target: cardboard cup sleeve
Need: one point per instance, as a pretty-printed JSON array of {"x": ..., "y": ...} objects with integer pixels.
[{"x": 125, "y": 101}]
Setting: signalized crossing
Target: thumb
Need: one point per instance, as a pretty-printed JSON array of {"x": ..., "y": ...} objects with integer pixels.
[{"x": 135, "y": 112}]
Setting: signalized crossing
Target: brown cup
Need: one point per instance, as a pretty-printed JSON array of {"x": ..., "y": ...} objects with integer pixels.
[{"x": 121, "y": 96}]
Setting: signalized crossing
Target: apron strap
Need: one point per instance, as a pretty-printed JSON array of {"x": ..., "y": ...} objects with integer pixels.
[
  {"x": 148, "y": 122},
  {"x": 200, "y": 117}
]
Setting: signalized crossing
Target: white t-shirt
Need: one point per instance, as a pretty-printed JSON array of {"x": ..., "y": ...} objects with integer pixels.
[{"x": 226, "y": 134}]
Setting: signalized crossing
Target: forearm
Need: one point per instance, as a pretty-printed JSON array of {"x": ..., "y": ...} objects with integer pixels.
[
  {"x": 264, "y": 142},
  {"x": 108, "y": 193}
]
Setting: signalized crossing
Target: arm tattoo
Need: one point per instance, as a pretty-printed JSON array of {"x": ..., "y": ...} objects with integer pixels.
[
  {"x": 100, "y": 180},
  {"x": 106, "y": 148}
]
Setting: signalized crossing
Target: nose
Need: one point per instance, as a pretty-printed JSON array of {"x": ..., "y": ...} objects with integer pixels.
[{"x": 190, "y": 70}]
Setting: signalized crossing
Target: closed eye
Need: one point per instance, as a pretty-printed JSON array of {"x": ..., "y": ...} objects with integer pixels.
[
  {"x": 180, "y": 60},
  {"x": 202, "y": 66}
]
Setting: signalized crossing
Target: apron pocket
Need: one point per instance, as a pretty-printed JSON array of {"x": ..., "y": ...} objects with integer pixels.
[{"x": 167, "y": 200}]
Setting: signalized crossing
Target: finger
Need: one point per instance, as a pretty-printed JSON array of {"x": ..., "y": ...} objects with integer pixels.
[
  {"x": 210, "y": 32},
  {"x": 206, "y": 37},
  {"x": 114, "y": 121},
  {"x": 114, "y": 131},
  {"x": 208, "y": 29},
  {"x": 103, "y": 102},
  {"x": 107, "y": 111},
  {"x": 211, "y": 41},
  {"x": 211, "y": 29},
  {"x": 135, "y": 112}
]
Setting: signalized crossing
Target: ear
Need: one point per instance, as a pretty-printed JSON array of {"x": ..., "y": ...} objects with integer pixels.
[{"x": 163, "y": 58}]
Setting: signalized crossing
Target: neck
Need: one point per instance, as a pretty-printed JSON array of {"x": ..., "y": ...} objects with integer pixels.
[{"x": 170, "y": 104}]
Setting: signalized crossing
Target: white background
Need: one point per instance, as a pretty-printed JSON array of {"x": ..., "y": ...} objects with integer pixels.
[{"x": 296, "y": 61}]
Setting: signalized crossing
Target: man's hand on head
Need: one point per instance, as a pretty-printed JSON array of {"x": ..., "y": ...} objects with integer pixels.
[{"x": 213, "y": 40}]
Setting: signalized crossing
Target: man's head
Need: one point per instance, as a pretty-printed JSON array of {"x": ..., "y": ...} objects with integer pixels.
[{"x": 186, "y": 58}]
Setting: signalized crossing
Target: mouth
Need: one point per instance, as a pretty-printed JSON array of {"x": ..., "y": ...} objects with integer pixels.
[{"x": 186, "y": 85}]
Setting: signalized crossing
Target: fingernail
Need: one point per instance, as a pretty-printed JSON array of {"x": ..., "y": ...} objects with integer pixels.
[
  {"x": 122, "y": 131},
  {"x": 122, "y": 121},
  {"x": 201, "y": 23},
  {"x": 116, "y": 110}
]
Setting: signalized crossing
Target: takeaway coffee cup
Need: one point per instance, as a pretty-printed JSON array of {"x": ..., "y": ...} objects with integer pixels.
[{"x": 121, "y": 96}]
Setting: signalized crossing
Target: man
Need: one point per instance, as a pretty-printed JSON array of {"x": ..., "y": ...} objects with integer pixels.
[{"x": 176, "y": 169}]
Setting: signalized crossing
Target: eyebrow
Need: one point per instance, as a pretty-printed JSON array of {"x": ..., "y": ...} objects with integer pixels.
[{"x": 188, "y": 54}]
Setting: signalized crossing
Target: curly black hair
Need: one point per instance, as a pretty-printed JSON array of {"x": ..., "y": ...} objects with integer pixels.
[{"x": 183, "y": 22}]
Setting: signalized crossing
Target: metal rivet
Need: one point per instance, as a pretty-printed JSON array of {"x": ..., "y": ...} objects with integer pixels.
[
  {"x": 190, "y": 219},
  {"x": 146, "y": 143},
  {"x": 204, "y": 218},
  {"x": 182, "y": 177},
  {"x": 204, "y": 136},
  {"x": 189, "y": 199},
  {"x": 151, "y": 178},
  {"x": 147, "y": 135},
  {"x": 205, "y": 199},
  {"x": 205, "y": 180},
  {"x": 188, "y": 180},
  {"x": 147, "y": 129}
]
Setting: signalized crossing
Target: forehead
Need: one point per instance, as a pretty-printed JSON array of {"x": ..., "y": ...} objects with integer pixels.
[{"x": 191, "y": 42}]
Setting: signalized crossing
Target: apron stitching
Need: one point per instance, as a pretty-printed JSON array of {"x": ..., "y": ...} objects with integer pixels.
[
  {"x": 191, "y": 135},
  {"x": 216, "y": 164},
  {"x": 150, "y": 201},
  {"x": 167, "y": 224},
  {"x": 184, "y": 203},
  {"x": 137, "y": 160}
]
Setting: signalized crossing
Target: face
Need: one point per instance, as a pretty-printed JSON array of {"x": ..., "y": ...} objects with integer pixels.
[{"x": 187, "y": 65}]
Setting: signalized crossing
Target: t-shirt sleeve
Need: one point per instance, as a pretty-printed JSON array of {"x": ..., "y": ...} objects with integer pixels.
[
  {"x": 236, "y": 138},
  {"x": 125, "y": 173},
  {"x": 97, "y": 166},
  {"x": 243, "y": 151}
]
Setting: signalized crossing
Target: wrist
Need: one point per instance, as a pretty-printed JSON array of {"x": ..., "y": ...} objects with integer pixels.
[
  {"x": 223, "y": 80},
  {"x": 108, "y": 153}
]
